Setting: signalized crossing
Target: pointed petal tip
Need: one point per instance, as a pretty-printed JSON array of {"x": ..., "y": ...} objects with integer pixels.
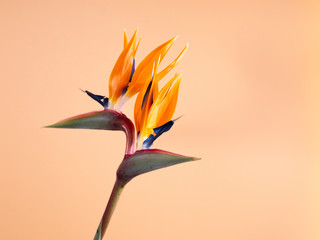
[
  {"x": 177, "y": 118},
  {"x": 136, "y": 48},
  {"x": 56, "y": 125},
  {"x": 172, "y": 40}
]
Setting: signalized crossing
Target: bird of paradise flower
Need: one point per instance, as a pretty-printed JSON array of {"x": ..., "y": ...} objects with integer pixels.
[{"x": 153, "y": 112}]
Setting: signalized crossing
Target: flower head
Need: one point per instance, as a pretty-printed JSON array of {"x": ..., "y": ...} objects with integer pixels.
[
  {"x": 153, "y": 109},
  {"x": 125, "y": 81}
]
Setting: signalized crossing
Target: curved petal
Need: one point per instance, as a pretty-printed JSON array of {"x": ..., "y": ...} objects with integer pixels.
[
  {"x": 174, "y": 63},
  {"x": 145, "y": 98},
  {"x": 125, "y": 39},
  {"x": 163, "y": 108},
  {"x": 120, "y": 75},
  {"x": 144, "y": 70}
]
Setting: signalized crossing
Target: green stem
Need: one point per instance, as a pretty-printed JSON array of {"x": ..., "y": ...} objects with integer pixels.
[
  {"x": 129, "y": 129},
  {"x": 113, "y": 200}
]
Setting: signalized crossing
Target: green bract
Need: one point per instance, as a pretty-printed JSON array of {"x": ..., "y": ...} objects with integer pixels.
[{"x": 148, "y": 160}]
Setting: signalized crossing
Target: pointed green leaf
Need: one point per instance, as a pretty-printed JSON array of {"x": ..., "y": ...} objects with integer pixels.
[
  {"x": 106, "y": 120},
  {"x": 98, "y": 233},
  {"x": 144, "y": 161},
  {"x": 103, "y": 120}
]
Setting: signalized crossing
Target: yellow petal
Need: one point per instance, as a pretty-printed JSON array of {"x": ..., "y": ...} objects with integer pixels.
[
  {"x": 163, "y": 108},
  {"x": 143, "y": 71},
  {"x": 169, "y": 105},
  {"x": 142, "y": 106},
  {"x": 137, "y": 110},
  {"x": 120, "y": 75},
  {"x": 141, "y": 112}
]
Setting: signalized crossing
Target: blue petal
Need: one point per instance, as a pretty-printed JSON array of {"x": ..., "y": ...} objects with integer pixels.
[
  {"x": 133, "y": 69},
  {"x": 158, "y": 131},
  {"x": 164, "y": 128},
  {"x": 103, "y": 101},
  {"x": 146, "y": 95}
]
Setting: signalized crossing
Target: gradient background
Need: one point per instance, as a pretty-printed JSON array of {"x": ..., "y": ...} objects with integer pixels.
[{"x": 250, "y": 100}]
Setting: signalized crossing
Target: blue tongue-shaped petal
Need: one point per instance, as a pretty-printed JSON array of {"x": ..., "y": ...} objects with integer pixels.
[
  {"x": 146, "y": 95},
  {"x": 103, "y": 101},
  {"x": 158, "y": 131}
]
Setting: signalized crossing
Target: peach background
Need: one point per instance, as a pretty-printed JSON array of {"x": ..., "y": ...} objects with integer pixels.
[{"x": 250, "y": 100}]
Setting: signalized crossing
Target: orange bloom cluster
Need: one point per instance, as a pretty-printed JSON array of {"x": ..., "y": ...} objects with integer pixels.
[{"x": 153, "y": 108}]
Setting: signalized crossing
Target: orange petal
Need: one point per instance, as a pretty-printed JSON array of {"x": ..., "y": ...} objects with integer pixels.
[
  {"x": 174, "y": 63},
  {"x": 136, "y": 48},
  {"x": 141, "y": 111},
  {"x": 143, "y": 71},
  {"x": 145, "y": 132},
  {"x": 170, "y": 104},
  {"x": 163, "y": 108},
  {"x": 120, "y": 75},
  {"x": 143, "y": 102},
  {"x": 125, "y": 42}
]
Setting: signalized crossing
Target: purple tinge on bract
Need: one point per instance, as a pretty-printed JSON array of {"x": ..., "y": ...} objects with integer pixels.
[
  {"x": 148, "y": 160},
  {"x": 102, "y": 120}
]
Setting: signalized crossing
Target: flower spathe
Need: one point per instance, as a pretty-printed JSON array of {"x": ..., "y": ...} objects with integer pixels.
[
  {"x": 153, "y": 110},
  {"x": 143, "y": 161}
]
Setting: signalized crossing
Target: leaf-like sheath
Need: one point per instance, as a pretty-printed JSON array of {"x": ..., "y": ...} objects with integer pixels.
[
  {"x": 102, "y": 120},
  {"x": 148, "y": 160}
]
